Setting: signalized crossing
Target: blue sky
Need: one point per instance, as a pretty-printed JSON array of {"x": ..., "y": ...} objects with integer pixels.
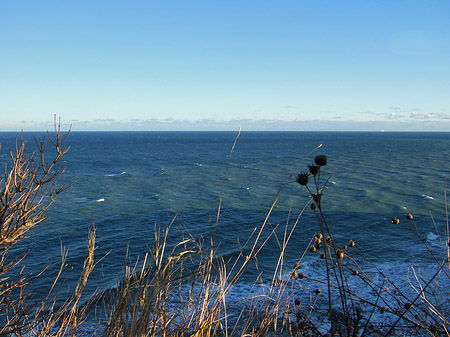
[{"x": 221, "y": 65}]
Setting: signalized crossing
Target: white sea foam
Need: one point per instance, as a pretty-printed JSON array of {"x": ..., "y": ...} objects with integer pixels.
[
  {"x": 432, "y": 237},
  {"x": 100, "y": 200},
  {"x": 116, "y": 174}
]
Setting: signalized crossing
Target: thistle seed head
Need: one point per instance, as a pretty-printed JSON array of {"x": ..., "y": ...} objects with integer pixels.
[
  {"x": 301, "y": 275},
  {"x": 312, "y": 249},
  {"x": 355, "y": 272},
  {"x": 319, "y": 235},
  {"x": 395, "y": 221},
  {"x": 313, "y": 169},
  {"x": 320, "y": 160},
  {"x": 329, "y": 239},
  {"x": 340, "y": 254},
  {"x": 318, "y": 291},
  {"x": 351, "y": 243},
  {"x": 303, "y": 178},
  {"x": 409, "y": 216},
  {"x": 317, "y": 197},
  {"x": 294, "y": 275},
  {"x": 313, "y": 206},
  {"x": 322, "y": 255}
]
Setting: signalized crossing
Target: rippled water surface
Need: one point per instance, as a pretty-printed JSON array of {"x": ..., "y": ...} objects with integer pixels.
[{"x": 125, "y": 183}]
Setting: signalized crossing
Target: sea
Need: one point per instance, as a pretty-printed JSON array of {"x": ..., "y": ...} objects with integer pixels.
[{"x": 229, "y": 184}]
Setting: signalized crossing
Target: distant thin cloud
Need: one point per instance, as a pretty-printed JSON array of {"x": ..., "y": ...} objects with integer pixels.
[
  {"x": 432, "y": 115},
  {"x": 395, "y": 108},
  {"x": 381, "y": 121},
  {"x": 394, "y": 115}
]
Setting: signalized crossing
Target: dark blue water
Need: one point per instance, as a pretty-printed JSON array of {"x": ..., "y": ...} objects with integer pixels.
[{"x": 127, "y": 182}]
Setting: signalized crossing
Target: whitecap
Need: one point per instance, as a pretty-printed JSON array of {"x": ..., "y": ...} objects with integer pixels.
[
  {"x": 432, "y": 237},
  {"x": 116, "y": 174},
  {"x": 428, "y": 197},
  {"x": 100, "y": 200}
]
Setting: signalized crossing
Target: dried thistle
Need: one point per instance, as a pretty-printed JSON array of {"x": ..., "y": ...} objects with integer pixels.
[
  {"x": 317, "y": 197},
  {"x": 320, "y": 160},
  {"x": 313, "y": 169},
  {"x": 303, "y": 178}
]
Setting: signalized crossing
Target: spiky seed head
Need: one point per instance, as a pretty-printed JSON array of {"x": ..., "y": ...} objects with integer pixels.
[
  {"x": 340, "y": 254},
  {"x": 355, "y": 272},
  {"x": 318, "y": 291},
  {"x": 317, "y": 241},
  {"x": 303, "y": 178},
  {"x": 408, "y": 306},
  {"x": 409, "y": 216},
  {"x": 319, "y": 235},
  {"x": 313, "y": 169},
  {"x": 329, "y": 239},
  {"x": 352, "y": 243},
  {"x": 395, "y": 221},
  {"x": 294, "y": 275},
  {"x": 317, "y": 197},
  {"x": 345, "y": 247},
  {"x": 301, "y": 275},
  {"x": 313, "y": 206},
  {"x": 320, "y": 160},
  {"x": 297, "y": 266},
  {"x": 312, "y": 249},
  {"x": 322, "y": 255},
  {"x": 319, "y": 246},
  {"x": 297, "y": 302}
]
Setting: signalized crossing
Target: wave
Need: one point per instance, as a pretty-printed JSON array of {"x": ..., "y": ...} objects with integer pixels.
[
  {"x": 116, "y": 174},
  {"x": 432, "y": 237}
]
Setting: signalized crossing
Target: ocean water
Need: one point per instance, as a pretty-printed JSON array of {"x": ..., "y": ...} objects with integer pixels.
[{"x": 125, "y": 183}]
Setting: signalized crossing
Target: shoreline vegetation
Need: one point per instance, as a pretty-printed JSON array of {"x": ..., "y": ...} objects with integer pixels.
[{"x": 183, "y": 289}]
